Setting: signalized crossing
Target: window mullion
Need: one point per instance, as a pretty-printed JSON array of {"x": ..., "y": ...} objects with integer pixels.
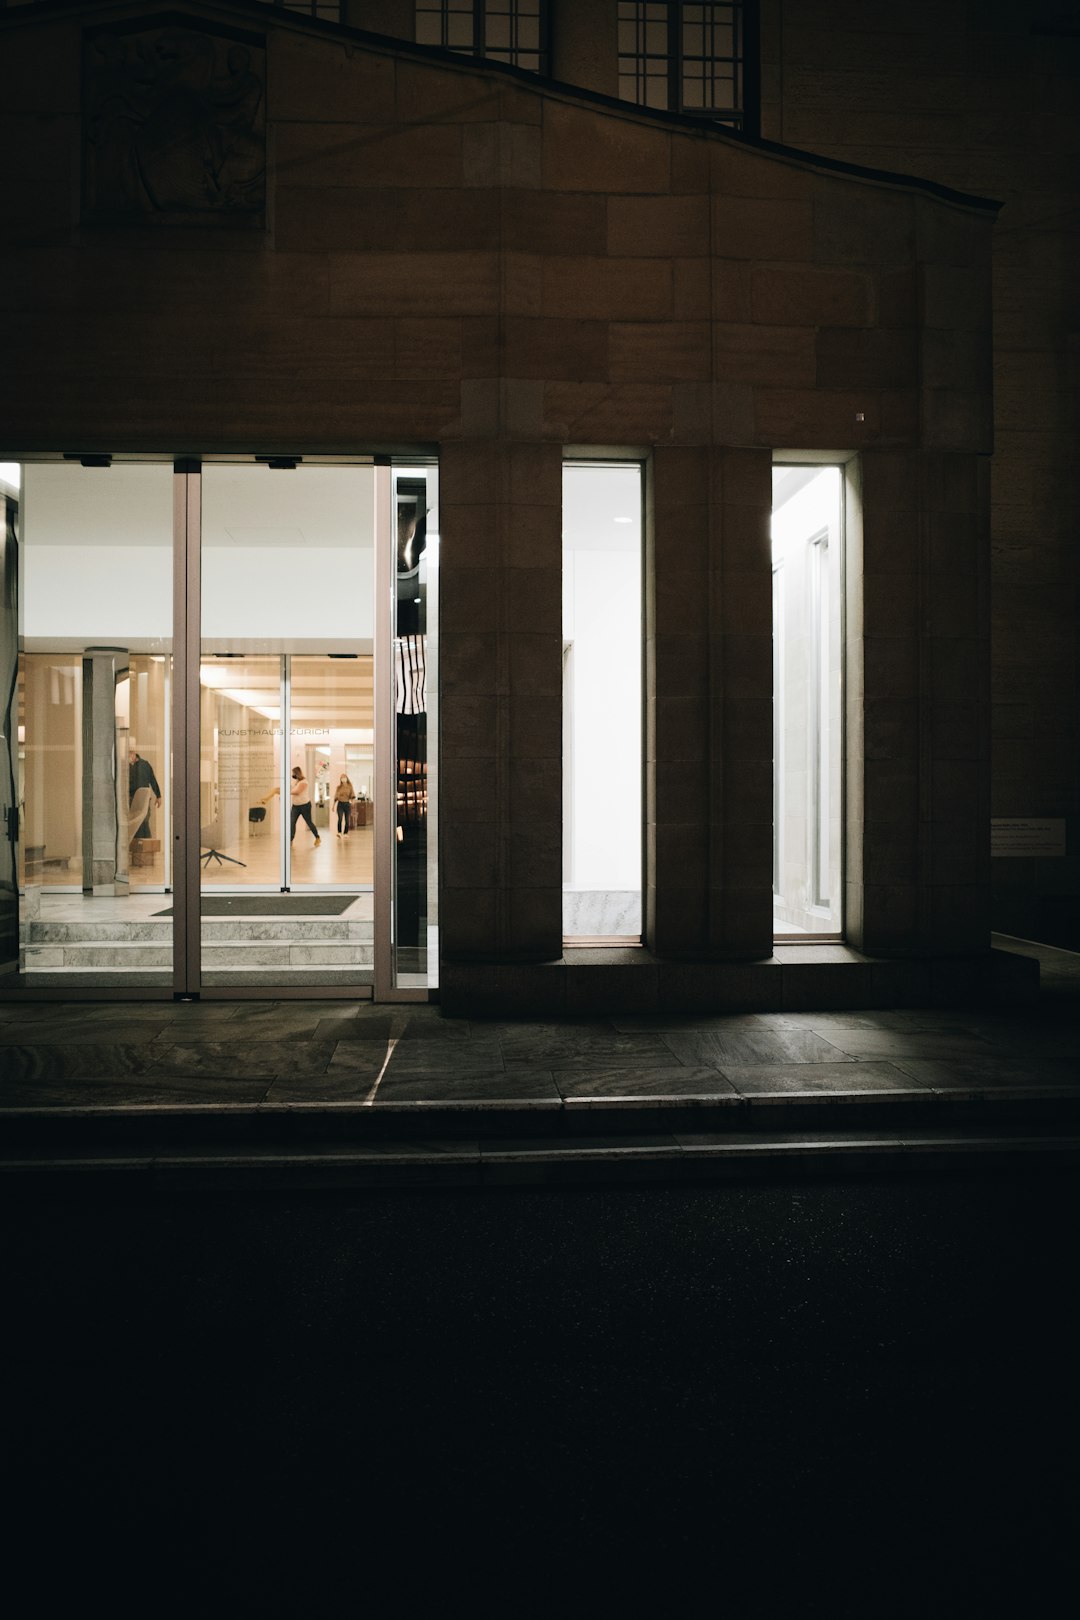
[{"x": 674, "y": 30}]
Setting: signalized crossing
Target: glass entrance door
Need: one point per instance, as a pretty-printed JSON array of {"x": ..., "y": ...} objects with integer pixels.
[
  {"x": 225, "y": 767},
  {"x": 286, "y": 727}
]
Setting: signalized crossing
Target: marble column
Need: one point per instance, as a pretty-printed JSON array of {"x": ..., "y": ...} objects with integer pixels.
[{"x": 104, "y": 773}]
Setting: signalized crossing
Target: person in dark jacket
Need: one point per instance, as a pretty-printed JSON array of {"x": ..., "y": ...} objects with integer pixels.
[{"x": 141, "y": 774}]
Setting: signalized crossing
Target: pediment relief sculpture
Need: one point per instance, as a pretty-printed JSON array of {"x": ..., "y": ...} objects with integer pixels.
[{"x": 174, "y": 125}]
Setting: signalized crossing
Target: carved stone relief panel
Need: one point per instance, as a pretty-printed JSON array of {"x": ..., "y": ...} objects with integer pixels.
[{"x": 174, "y": 124}]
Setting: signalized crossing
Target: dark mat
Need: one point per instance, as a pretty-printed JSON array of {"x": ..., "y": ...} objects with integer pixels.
[{"x": 271, "y": 905}]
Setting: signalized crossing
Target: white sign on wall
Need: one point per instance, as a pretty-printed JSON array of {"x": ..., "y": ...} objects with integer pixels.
[{"x": 1030, "y": 836}]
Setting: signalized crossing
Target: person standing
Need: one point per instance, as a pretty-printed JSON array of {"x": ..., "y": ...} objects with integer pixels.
[
  {"x": 344, "y": 795},
  {"x": 141, "y": 774}
]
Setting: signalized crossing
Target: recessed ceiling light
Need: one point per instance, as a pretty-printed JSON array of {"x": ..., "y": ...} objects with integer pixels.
[{"x": 624, "y": 520}]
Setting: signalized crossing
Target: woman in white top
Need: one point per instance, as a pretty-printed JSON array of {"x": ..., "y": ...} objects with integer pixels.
[{"x": 301, "y": 805}]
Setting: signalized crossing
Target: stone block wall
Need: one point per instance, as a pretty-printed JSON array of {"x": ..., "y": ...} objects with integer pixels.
[
  {"x": 709, "y": 704},
  {"x": 501, "y": 694},
  {"x": 456, "y": 259},
  {"x": 918, "y": 767},
  {"x": 985, "y": 99}
]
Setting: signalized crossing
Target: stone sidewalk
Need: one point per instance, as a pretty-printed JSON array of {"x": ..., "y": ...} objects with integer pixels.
[{"x": 269, "y": 1081}]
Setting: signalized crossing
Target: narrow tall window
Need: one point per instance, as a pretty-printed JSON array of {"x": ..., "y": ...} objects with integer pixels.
[
  {"x": 602, "y": 732},
  {"x": 807, "y": 699},
  {"x": 695, "y": 59},
  {"x": 505, "y": 30}
]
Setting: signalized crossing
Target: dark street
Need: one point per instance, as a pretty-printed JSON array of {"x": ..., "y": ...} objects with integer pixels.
[{"x": 816, "y": 1397}]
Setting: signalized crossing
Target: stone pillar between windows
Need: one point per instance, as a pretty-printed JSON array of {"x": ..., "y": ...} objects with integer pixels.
[
  {"x": 709, "y": 705},
  {"x": 918, "y": 760},
  {"x": 105, "y": 831},
  {"x": 500, "y": 773}
]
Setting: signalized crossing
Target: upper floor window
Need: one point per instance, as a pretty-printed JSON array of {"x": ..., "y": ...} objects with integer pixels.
[
  {"x": 507, "y": 30},
  {"x": 685, "y": 58},
  {"x": 327, "y": 10}
]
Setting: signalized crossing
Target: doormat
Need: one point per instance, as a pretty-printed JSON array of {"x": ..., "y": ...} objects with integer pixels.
[{"x": 271, "y": 905}]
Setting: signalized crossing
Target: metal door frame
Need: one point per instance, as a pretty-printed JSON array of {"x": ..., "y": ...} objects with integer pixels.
[{"x": 187, "y": 694}]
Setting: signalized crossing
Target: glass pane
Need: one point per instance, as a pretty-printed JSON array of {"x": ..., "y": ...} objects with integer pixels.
[
  {"x": 602, "y": 738},
  {"x": 428, "y": 29},
  {"x": 722, "y": 94},
  {"x": 239, "y": 774},
  {"x": 94, "y": 774},
  {"x": 287, "y": 701},
  {"x": 9, "y": 723},
  {"x": 415, "y": 953},
  {"x": 808, "y": 694},
  {"x": 331, "y": 735}
]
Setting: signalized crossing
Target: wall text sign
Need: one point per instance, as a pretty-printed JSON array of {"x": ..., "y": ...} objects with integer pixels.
[{"x": 1028, "y": 836}]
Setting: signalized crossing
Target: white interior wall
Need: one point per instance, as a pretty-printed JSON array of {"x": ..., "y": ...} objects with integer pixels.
[
  {"x": 602, "y": 620},
  {"x": 812, "y": 508}
]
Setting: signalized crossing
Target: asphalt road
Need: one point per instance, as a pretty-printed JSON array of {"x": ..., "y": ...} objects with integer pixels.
[{"x": 846, "y": 1397}]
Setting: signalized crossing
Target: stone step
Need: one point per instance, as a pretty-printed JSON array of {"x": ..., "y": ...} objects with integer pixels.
[
  {"x": 141, "y": 954},
  {"x": 315, "y": 977},
  {"x": 214, "y": 930}
]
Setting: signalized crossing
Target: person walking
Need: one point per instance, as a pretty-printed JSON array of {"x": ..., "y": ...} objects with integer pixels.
[
  {"x": 344, "y": 795},
  {"x": 141, "y": 774},
  {"x": 301, "y": 805}
]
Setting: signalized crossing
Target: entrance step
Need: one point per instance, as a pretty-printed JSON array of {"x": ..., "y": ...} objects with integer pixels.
[
  {"x": 235, "y": 950},
  {"x": 125, "y": 955},
  {"x": 315, "y": 977},
  {"x": 215, "y": 930}
]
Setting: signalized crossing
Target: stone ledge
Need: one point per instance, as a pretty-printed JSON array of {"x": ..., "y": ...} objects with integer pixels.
[
  {"x": 796, "y": 978},
  {"x": 554, "y": 1161}
]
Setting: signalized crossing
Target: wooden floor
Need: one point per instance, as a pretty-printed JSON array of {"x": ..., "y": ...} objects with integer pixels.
[{"x": 346, "y": 861}]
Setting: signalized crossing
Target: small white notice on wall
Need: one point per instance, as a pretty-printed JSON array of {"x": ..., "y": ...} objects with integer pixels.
[{"x": 1027, "y": 836}]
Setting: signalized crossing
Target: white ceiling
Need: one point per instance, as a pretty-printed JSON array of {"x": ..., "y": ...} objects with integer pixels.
[{"x": 130, "y": 504}]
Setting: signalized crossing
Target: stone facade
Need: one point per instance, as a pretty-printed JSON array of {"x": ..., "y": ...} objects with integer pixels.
[
  {"x": 985, "y": 99},
  {"x": 457, "y": 257}
]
